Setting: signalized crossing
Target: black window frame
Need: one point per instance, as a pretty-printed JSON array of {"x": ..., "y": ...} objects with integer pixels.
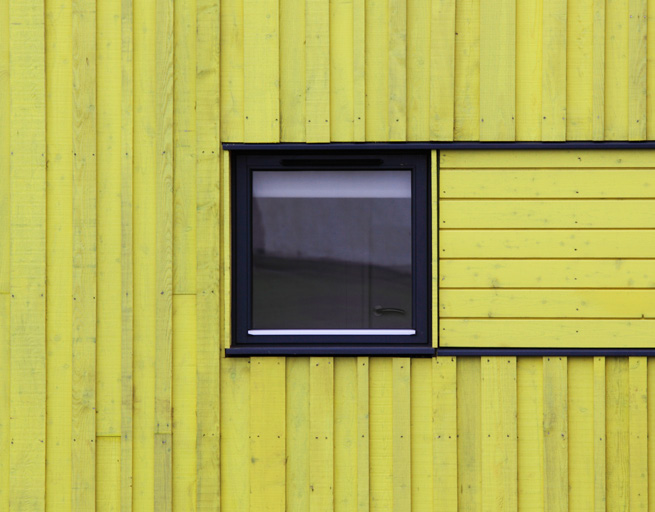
[{"x": 243, "y": 163}]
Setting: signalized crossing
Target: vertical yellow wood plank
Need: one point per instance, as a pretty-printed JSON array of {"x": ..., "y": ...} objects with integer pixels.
[
  {"x": 599, "y": 435},
  {"x": 4, "y": 146},
  {"x": 401, "y": 430},
  {"x": 321, "y": 435},
  {"x": 529, "y": 373},
  {"x": 184, "y": 154},
  {"x": 212, "y": 196},
  {"x": 297, "y": 419},
  {"x": 317, "y": 70},
  {"x": 650, "y": 72},
  {"x": 468, "y": 429},
  {"x": 261, "y": 77},
  {"x": 553, "y": 74},
  {"x": 497, "y": 69},
  {"x": 556, "y": 473},
  {"x": 651, "y": 434},
  {"x": 145, "y": 182},
  {"x": 637, "y": 72},
  {"x": 5, "y": 438},
  {"x": 418, "y": 69},
  {"x": 163, "y": 472},
  {"x": 108, "y": 466},
  {"x": 359, "y": 70},
  {"x": 84, "y": 254},
  {"x": 529, "y": 40},
  {"x": 598, "y": 57},
  {"x": 363, "y": 435},
  {"x": 377, "y": 70},
  {"x": 579, "y": 70},
  {"x": 444, "y": 417},
  {"x": 292, "y": 70},
  {"x": 28, "y": 252},
  {"x": 581, "y": 432},
  {"x": 498, "y": 431},
  {"x": 341, "y": 84},
  {"x": 267, "y": 434},
  {"x": 381, "y": 435},
  {"x": 442, "y": 68},
  {"x": 345, "y": 434},
  {"x": 397, "y": 116},
  {"x": 422, "y": 446},
  {"x": 232, "y": 73},
  {"x": 618, "y": 434},
  {"x": 184, "y": 403},
  {"x": 467, "y": 70},
  {"x": 616, "y": 70},
  {"x": 638, "y": 382},
  {"x": 59, "y": 253}
]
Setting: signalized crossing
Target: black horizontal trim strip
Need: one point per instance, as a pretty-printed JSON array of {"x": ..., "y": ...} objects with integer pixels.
[
  {"x": 327, "y": 350},
  {"x": 545, "y": 352}
]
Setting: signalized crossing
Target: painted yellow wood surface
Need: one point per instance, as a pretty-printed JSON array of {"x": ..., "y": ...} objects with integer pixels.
[
  {"x": 363, "y": 434},
  {"x": 600, "y": 439},
  {"x": 556, "y": 435},
  {"x": 108, "y": 470},
  {"x": 4, "y": 146},
  {"x": 442, "y": 70},
  {"x": 579, "y": 70},
  {"x": 529, "y": 53},
  {"x": 397, "y": 94},
  {"x": 345, "y": 434},
  {"x": 5, "y": 435},
  {"x": 231, "y": 71},
  {"x": 467, "y": 70},
  {"x": 377, "y": 69},
  {"x": 469, "y": 435},
  {"x": 401, "y": 431},
  {"x": 637, "y": 62},
  {"x": 535, "y": 159},
  {"x": 618, "y": 434},
  {"x": 422, "y": 455},
  {"x": 553, "y": 71},
  {"x": 292, "y": 69},
  {"x": 317, "y": 71},
  {"x": 321, "y": 434},
  {"x": 419, "y": 68},
  {"x": 297, "y": 430},
  {"x": 580, "y": 379},
  {"x": 381, "y": 434},
  {"x": 598, "y": 57},
  {"x": 617, "y": 66},
  {"x": 638, "y": 418},
  {"x": 341, "y": 53},
  {"x": 444, "y": 435}
]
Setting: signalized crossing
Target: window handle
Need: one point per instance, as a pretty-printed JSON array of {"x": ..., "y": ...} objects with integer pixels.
[{"x": 379, "y": 311}]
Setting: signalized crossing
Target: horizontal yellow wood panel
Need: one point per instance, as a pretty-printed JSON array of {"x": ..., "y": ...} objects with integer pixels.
[
  {"x": 547, "y": 244},
  {"x": 547, "y": 274},
  {"x": 538, "y": 183},
  {"x": 547, "y": 303},
  {"x": 547, "y": 333},
  {"x": 494, "y": 159}
]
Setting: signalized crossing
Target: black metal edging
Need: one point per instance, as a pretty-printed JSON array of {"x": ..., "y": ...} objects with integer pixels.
[
  {"x": 326, "y": 350},
  {"x": 547, "y": 352}
]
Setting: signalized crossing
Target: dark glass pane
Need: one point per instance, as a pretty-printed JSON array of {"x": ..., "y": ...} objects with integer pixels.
[{"x": 332, "y": 250}]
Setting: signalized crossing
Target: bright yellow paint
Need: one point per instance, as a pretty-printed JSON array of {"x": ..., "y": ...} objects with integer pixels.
[
  {"x": 422, "y": 457},
  {"x": 340, "y": 49},
  {"x": 381, "y": 434},
  {"x": 5, "y": 438},
  {"x": 444, "y": 435},
  {"x": 617, "y": 66},
  {"x": 556, "y": 435},
  {"x": 292, "y": 69},
  {"x": 467, "y": 70},
  {"x": 321, "y": 434},
  {"x": 4, "y": 146},
  {"x": 297, "y": 429},
  {"x": 377, "y": 69},
  {"x": 579, "y": 70},
  {"x": 401, "y": 431},
  {"x": 469, "y": 440},
  {"x": 553, "y": 71},
  {"x": 108, "y": 468},
  {"x": 317, "y": 71},
  {"x": 529, "y": 42},
  {"x": 345, "y": 434},
  {"x": 637, "y": 62},
  {"x": 618, "y": 434},
  {"x": 638, "y": 386},
  {"x": 397, "y": 52},
  {"x": 419, "y": 68},
  {"x": 442, "y": 70}
]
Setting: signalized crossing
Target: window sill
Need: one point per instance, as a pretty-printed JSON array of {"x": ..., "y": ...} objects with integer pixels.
[{"x": 334, "y": 350}]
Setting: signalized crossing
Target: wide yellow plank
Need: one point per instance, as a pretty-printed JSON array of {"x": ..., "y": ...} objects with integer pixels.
[
  {"x": 185, "y": 393},
  {"x": 650, "y": 74},
  {"x": 163, "y": 472},
  {"x": 546, "y": 274},
  {"x": 553, "y": 78},
  {"x": 617, "y": 67},
  {"x": 547, "y": 333},
  {"x": 599, "y": 243},
  {"x": 547, "y": 184},
  {"x": 345, "y": 434},
  {"x": 579, "y": 70},
  {"x": 444, "y": 435},
  {"x": 529, "y": 52},
  {"x": 359, "y": 70},
  {"x": 401, "y": 431},
  {"x": 547, "y": 303},
  {"x": 418, "y": 69},
  {"x": 497, "y": 69},
  {"x": 232, "y": 66},
  {"x": 467, "y": 70},
  {"x": 363, "y": 435},
  {"x": 556, "y": 437},
  {"x": 638, "y": 385},
  {"x": 637, "y": 70},
  {"x": 108, "y": 468},
  {"x": 267, "y": 434},
  {"x": 297, "y": 425},
  {"x": 442, "y": 69},
  {"x": 600, "y": 441},
  {"x": 381, "y": 434},
  {"x": 341, "y": 55},
  {"x": 317, "y": 71},
  {"x": 469, "y": 446},
  {"x": 377, "y": 70},
  {"x": 292, "y": 70},
  {"x": 498, "y": 431},
  {"x": 422, "y": 458},
  {"x": 530, "y": 449},
  {"x": 397, "y": 70},
  {"x": 5, "y": 434},
  {"x": 4, "y": 146},
  {"x": 321, "y": 433},
  {"x": 598, "y": 80},
  {"x": 261, "y": 76},
  {"x": 618, "y": 434}
]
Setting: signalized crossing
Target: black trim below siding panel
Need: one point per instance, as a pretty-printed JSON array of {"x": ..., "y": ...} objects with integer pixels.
[{"x": 331, "y": 350}]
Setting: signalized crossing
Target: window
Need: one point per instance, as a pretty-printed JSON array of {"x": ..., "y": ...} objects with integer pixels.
[{"x": 331, "y": 253}]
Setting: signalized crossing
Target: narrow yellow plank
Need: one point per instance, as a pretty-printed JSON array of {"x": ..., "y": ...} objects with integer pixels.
[
  {"x": 469, "y": 446},
  {"x": 581, "y": 432},
  {"x": 359, "y": 70},
  {"x": 163, "y": 472},
  {"x": 553, "y": 78},
  {"x": 530, "y": 449},
  {"x": 529, "y": 52},
  {"x": 598, "y": 243},
  {"x": 617, "y": 70},
  {"x": 377, "y": 70},
  {"x": 5, "y": 434},
  {"x": 401, "y": 430},
  {"x": 650, "y": 73},
  {"x": 651, "y": 427},
  {"x": 292, "y": 70},
  {"x": 341, "y": 72},
  {"x": 422, "y": 456},
  {"x": 261, "y": 76},
  {"x": 363, "y": 435},
  {"x": 345, "y": 434},
  {"x": 108, "y": 468},
  {"x": 599, "y": 435},
  {"x": 321, "y": 433},
  {"x": 598, "y": 56},
  {"x": 184, "y": 470},
  {"x": 547, "y": 333},
  {"x": 231, "y": 72},
  {"x": 444, "y": 436},
  {"x": 637, "y": 71},
  {"x": 184, "y": 153},
  {"x": 297, "y": 418},
  {"x": 442, "y": 69},
  {"x": 618, "y": 434},
  {"x": 28, "y": 253},
  {"x": 546, "y": 274},
  {"x": 556, "y": 436},
  {"x": 381, "y": 434},
  {"x": 4, "y": 146},
  {"x": 579, "y": 70},
  {"x": 467, "y": 70},
  {"x": 638, "y": 383},
  {"x": 497, "y": 69},
  {"x": 317, "y": 71},
  {"x": 397, "y": 117},
  {"x": 59, "y": 254},
  {"x": 418, "y": 69}
]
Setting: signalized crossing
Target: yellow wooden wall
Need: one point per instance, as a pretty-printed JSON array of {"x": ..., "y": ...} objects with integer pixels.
[{"x": 114, "y": 257}]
